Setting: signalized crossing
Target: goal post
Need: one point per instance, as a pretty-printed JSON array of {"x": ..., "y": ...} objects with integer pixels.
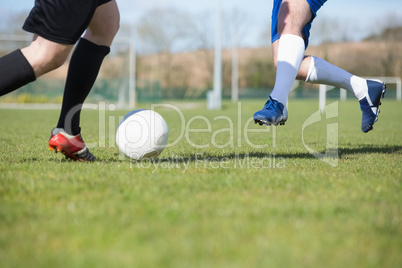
[{"x": 132, "y": 94}]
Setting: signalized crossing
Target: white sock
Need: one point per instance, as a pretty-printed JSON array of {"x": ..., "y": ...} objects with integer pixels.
[
  {"x": 322, "y": 72},
  {"x": 290, "y": 55}
]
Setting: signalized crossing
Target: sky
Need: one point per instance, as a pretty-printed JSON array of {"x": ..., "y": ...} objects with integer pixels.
[{"x": 355, "y": 19}]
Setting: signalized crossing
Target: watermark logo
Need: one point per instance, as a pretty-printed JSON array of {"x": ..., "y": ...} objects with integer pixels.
[
  {"x": 331, "y": 155},
  {"x": 223, "y": 132},
  {"x": 204, "y": 161},
  {"x": 235, "y": 129}
]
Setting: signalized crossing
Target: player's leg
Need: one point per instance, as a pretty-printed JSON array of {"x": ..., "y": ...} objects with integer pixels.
[
  {"x": 45, "y": 55},
  {"x": 104, "y": 24},
  {"x": 288, "y": 50},
  {"x": 83, "y": 70},
  {"x": 293, "y": 16},
  {"x": 318, "y": 71},
  {"x": 23, "y": 66},
  {"x": 85, "y": 64},
  {"x": 368, "y": 92}
]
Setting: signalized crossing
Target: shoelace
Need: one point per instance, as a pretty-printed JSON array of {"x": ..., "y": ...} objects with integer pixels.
[{"x": 271, "y": 104}]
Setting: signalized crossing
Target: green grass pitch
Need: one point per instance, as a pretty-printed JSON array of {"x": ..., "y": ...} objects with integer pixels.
[{"x": 222, "y": 196}]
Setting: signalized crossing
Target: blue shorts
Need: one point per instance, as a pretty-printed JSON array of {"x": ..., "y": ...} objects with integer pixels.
[{"x": 315, "y": 5}]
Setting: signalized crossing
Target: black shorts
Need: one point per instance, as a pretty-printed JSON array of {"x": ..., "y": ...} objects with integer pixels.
[{"x": 61, "y": 21}]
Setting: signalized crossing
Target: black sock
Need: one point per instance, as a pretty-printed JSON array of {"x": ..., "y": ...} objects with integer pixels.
[
  {"x": 15, "y": 72},
  {"x": 82, "y": 72}
]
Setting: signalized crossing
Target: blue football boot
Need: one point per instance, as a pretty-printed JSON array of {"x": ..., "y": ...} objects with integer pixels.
[
  {"x": 370, "y": 104},
  {"x": 273, "y": 113}
]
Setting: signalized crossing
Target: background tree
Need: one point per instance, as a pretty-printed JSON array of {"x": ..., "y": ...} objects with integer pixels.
[{"x": 163, "y": 32}]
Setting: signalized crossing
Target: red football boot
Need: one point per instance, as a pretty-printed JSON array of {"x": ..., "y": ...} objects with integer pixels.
[{"x": 73, "y": 147}]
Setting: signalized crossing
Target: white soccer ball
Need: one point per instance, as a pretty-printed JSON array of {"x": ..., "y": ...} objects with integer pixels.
[{"x": 142, "y": 134}]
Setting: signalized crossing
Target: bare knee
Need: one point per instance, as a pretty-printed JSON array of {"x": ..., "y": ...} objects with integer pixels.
[
  {"x": 45, "y": 56},
  {"x": 293, "y": 16},
  {"x": 104, "y": 24}
]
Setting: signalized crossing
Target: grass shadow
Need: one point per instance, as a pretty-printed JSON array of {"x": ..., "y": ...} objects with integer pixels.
[
  {"x": 207, "y": 156},
  {"x": 369, "y": 149},
  {"x": 342, "y": 152}
]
